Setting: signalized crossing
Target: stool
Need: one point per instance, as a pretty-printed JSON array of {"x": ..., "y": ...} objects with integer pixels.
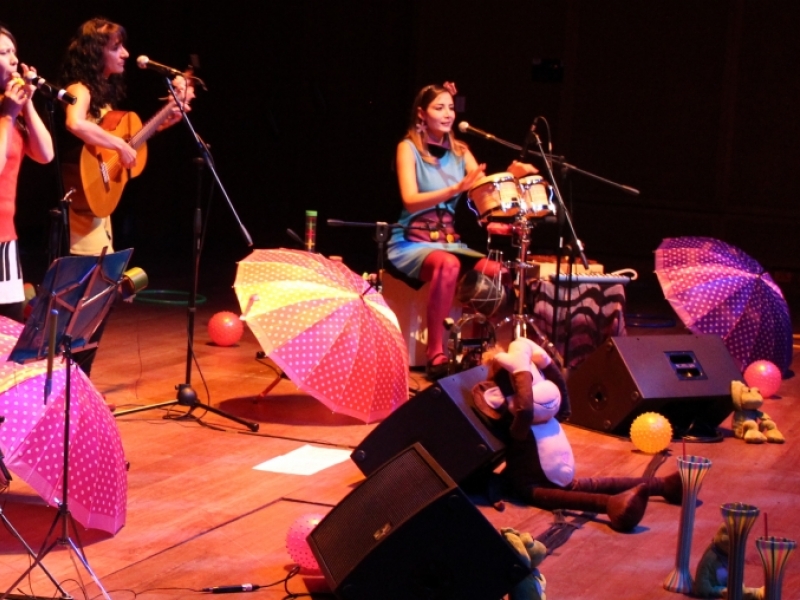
[{"x": 410, "y": 307}]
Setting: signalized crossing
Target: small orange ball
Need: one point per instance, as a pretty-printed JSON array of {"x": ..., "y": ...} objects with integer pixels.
[
  {"x": 651, "y": 432},
  {"x": 225, "y": 328}
]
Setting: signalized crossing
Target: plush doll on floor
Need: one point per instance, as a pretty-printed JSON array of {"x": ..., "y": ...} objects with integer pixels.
[
  {"x": 748, "y": 422},
  {"x": 711, "y": 575},
  {"x": 532, "y": 552},
  {"x": 522, "y": 403}
]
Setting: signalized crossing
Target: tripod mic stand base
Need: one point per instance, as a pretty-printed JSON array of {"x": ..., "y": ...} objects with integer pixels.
[{"x": 188, "y": 397}]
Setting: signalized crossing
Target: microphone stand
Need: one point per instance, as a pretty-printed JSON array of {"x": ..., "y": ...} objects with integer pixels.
[
  {"x": 58, "y": 240},
  {"x": 382, "y": 230},
  {"x": 186, "y": 394}
]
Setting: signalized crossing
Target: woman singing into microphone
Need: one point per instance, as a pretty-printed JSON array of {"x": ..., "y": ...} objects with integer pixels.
[
  {"x": 21, "y": 132},
  {"x": 433, "y": 170}
]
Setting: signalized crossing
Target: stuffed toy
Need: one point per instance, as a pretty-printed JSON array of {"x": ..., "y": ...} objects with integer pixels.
[
  {"x": 522, "y": 403},
  {"x": 711, "y": 575},
  {"x": 749, "y": 423},
  {"x": 532, "y": 552}
]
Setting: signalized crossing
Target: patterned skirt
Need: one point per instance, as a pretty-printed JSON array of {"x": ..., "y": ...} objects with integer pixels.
[{"x": 11, "y": 289}]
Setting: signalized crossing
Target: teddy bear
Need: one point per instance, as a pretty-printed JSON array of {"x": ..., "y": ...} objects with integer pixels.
[
  {"x": 711, "y": 575},
  {"x": 532, "y": 552},
  {"x": 522, "y": 403},
  {"x": 748, "y": 421}
]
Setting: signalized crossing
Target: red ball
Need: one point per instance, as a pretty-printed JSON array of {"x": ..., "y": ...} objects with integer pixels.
[
  {"x": 765, "y": 376},
  {"x": 225, "y": 328}
]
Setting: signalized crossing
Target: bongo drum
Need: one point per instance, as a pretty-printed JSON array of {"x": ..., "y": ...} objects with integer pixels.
[
  {"x": 495, "y": 196},
  {"x": 536, "y": 197}
]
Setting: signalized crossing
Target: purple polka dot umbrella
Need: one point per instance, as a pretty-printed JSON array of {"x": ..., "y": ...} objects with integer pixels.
[
  {"x": 332, "y": 334},
  {"x": 716, "y": 288},
  {"x": 32, "y": 438}
]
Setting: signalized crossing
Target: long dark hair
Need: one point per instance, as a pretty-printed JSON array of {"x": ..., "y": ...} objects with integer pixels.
[
  {"x": 85, "y": 60},
  {"x": 9, "y": 35}
]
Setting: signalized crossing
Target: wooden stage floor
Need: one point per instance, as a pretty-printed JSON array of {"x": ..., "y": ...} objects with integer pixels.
[{"x": 200, "y": 516}]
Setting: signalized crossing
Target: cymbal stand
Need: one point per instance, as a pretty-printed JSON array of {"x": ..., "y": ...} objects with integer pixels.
[{"x": 522, "y": 323}]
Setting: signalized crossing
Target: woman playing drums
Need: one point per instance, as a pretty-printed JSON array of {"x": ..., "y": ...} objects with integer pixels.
[{"x": 433, "y": 171}]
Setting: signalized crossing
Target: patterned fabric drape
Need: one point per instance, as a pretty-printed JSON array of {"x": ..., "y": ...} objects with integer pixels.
[{"x": 596, "y": 313}]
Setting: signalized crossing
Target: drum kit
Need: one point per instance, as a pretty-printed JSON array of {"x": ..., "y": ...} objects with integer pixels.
[{"x": 511, "y": 207}]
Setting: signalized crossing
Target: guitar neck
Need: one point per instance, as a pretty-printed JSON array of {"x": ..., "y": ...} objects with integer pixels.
[{"x": 152, "y": 125}]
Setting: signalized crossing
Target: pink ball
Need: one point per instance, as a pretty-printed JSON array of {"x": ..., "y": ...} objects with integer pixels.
[
  {"x": 296, "y": 542},
  {"x": 225, "y": 328},
  {"x": 764, "y": 375}
]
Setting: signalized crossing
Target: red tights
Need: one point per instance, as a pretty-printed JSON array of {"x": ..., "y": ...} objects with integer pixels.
[{"x": 442, "y": 270}]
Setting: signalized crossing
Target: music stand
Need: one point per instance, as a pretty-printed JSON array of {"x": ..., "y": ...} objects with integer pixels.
[{"x": 74, "y": 298}]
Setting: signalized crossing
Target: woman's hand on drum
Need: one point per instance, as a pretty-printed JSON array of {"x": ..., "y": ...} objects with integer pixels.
[
  {"x": 520, "y": 169},
  {"x": 471, "y": 177}
]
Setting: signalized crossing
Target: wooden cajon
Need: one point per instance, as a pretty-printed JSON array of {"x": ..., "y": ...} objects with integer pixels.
[{"x": 410, "y": 306}]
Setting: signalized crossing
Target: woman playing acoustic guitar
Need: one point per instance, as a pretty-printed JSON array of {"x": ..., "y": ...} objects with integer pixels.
[{"x": 92, "y": 72}]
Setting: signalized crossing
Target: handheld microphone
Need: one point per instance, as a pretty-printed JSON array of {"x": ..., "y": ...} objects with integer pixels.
[
  {"x": 50, "y": 90},
  {"x": 232, "y": 589},
  {"x": 145, "y": 63},
  {"x": 465, "y": 127}
]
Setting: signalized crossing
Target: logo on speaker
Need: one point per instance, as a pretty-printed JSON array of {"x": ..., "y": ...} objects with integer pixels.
[{"x": 382, "y": 532}]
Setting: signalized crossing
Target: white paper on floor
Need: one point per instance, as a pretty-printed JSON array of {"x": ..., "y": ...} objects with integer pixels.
[{"x": 305, "y": 460}]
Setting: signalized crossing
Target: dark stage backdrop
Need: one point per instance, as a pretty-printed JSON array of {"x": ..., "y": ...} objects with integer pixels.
[{"x": 691, "y": 102}]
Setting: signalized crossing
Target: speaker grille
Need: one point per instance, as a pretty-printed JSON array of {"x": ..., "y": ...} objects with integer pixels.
[
  {"x": 440, "y": 418},
  {"x": 407, "y": 484}
]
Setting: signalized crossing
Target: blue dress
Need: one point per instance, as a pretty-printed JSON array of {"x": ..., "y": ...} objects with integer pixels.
[{"x": 408, "y": 256}]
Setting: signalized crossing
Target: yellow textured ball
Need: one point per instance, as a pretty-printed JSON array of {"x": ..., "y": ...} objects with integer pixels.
[{"x": 651, "y": 432}]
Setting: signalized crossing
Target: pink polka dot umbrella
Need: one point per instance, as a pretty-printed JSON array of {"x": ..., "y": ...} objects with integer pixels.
[
  {"x": 717, "y": 288},
  {"x": 32, "y": 438},
  {"x": 332, "y": 334}
]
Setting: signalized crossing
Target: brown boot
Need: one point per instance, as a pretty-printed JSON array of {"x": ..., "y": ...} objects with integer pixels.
[
  {"x": 670, "y": 487},
  {"x": 624, "y": 510}
]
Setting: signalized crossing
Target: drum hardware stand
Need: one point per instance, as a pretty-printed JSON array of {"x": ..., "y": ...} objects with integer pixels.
[
  {"x": 549, "y": 159},
  {"x": 186, "y": 395},
  {"x": 466, "y": 353},
  {"x": 521, "y": 321}
]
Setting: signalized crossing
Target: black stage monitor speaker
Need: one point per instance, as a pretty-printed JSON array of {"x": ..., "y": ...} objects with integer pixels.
[
  {"x": 441, "y": 418},
  {"x": 409, "y": 532},
  {"x": 686, "y": 378}
]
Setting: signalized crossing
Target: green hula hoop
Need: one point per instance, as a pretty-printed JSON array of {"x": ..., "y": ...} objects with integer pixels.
[{"x": 169, "y": 297}]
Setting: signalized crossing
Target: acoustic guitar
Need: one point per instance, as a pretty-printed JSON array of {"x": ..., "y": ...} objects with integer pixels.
[{"x": 102, "y": 176}]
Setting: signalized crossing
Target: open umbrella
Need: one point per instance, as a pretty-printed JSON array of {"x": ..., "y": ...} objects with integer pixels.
[
  {"x": 717, "y": 288},
  {"x": 32, "y": 438},
  {"x": 330, "y": 332}
]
